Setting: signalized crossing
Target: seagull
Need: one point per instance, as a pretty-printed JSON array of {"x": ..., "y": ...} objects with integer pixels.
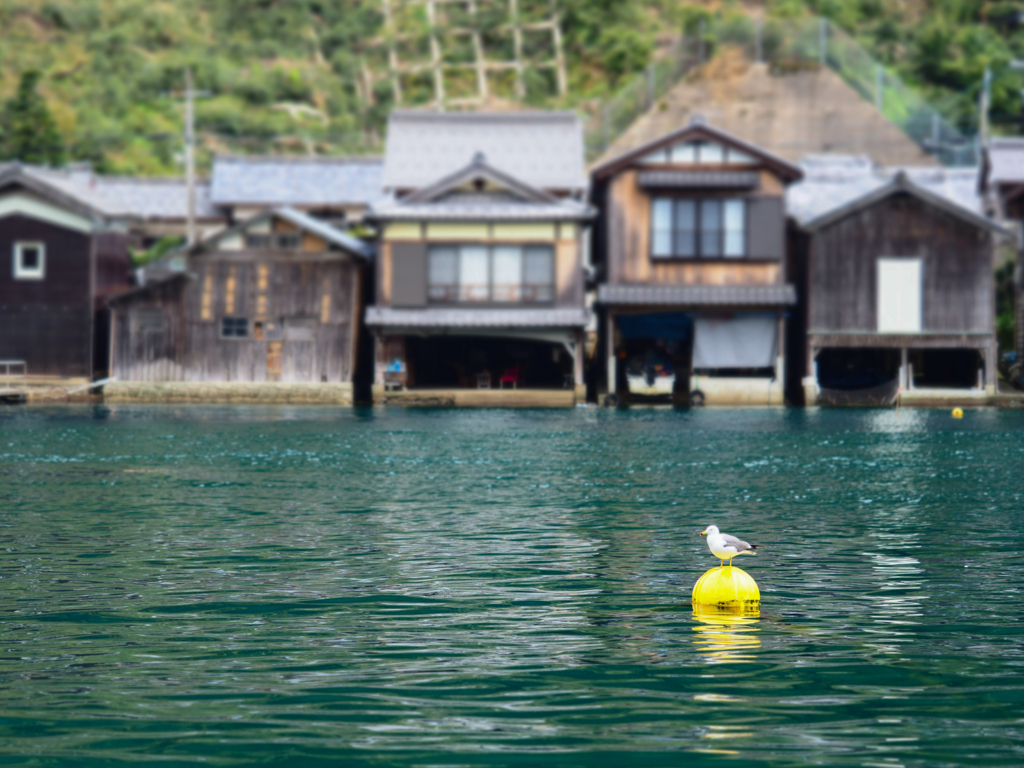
[{"x": 726, "y": 547}]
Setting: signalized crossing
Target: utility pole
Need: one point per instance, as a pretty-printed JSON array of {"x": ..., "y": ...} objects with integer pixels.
[
  {"x": 190, "y": 155},
  {"x": 984, "y": 98}
]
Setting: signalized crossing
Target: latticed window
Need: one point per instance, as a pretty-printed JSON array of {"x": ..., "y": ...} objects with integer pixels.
[
  {"x": 234, "y": 327},
  {"x": 498, "y": 274}
]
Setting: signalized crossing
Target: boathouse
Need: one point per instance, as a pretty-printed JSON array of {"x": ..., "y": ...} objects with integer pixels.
[
  {"x": 480, "y": 273},
  {"x": 62, "y": 263},
  {"x": 690, "y": 251},
  {"x": 900, "y": 293},
  {"x": 272, "y": 301}
]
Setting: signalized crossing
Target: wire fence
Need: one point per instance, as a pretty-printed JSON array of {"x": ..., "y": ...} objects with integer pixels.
[{"x": 787, "y": 46}]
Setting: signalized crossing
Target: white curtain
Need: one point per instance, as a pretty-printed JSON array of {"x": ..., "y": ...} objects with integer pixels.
[{"x": 744, "y": 341}]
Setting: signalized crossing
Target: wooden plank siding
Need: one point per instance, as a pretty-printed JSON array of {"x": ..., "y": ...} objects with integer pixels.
[
  {"x": 957, "y": 262},
  {"x": 627, "y": 245},
  {"x": 310, "y": 303},
  {"x": 48, "y": 322}
]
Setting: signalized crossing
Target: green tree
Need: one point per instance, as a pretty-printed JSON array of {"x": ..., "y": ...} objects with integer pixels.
[{"x": 29, "y": 131}]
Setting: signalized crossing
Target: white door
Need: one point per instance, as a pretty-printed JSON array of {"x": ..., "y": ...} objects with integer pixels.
[{"x": 899, "y": 295}]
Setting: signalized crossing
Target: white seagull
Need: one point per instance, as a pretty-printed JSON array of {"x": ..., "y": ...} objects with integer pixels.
[{"x": 726, "y": 547}]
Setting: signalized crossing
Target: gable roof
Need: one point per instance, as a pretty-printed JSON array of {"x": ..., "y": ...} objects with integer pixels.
[
  {"x": 448, "y": 200},
  {"x": 331, "y": 234},
  {"x": 17, "y": 175},
  {"x": 543, "y": 149},
  {"x": 124, "y": 197},
  {"x": 292, "y": 181},
  {"x": 832, "y": 181},
  {"x": 902, "y": 185},
  {"x": 479, "y": 169},
  {"x": 698, "y": 130}
]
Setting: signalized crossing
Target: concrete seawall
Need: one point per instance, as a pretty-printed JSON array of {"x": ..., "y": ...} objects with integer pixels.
[{"x": 228, "y": 392}]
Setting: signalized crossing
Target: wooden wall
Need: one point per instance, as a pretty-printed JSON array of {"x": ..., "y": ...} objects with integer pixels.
[
  {"x": 48, "y": 323},
  {"x": 625, "y": 244},
  {"x": 307, "y": 305},
  {"x": 958, "y": 292}
]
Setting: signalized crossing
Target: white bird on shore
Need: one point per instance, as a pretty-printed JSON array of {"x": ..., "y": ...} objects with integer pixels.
[{"x": 726, "y": 547}]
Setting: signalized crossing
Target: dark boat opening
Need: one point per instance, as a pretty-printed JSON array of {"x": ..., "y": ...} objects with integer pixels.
[
  {"x": 846, "y": 368},
  {"x": 471, "y": 362},
  {"x": 954, "y": 368}
]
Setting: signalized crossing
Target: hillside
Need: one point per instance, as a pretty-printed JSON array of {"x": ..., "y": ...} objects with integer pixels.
[{"x": 312, "y": 76}]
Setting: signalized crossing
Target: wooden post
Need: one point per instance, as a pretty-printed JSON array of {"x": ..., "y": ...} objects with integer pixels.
[
  {"x": 903, "y": 369},
  {"x": 612, "y": 365}
]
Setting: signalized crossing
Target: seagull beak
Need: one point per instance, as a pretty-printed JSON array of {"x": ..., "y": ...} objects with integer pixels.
[{"x": 703, "y": 533}]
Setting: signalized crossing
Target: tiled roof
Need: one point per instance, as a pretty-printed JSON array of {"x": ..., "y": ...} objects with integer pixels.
[
  {"x": 833, "y": 181},
  {"x": 698, "y": 295},
  {"x": 297, "y": 181},
  {"x": 543, "y": 149},
  {"x": 1006, "y": 156},
  {"x": 483, "y": 209},
  {"x": 122, "y": 197},
  {"x": 560, "y": 317}
]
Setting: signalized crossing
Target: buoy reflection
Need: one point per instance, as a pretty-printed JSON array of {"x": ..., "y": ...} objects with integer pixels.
[{"x": 726, "y": 634}]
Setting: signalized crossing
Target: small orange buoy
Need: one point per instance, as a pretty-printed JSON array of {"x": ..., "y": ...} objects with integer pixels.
[{"x": 958, "y": 413}]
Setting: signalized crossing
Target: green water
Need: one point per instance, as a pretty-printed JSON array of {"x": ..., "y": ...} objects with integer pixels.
[{"x": 302, "y": 587}]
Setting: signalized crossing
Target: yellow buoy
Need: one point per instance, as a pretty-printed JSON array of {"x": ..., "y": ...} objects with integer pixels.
[
  {"x": 727, "y": 587},
  {"x": 958, "y": 413}
]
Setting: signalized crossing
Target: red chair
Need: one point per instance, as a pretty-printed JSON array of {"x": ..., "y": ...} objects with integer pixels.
[{"x": 510, "y": 376}]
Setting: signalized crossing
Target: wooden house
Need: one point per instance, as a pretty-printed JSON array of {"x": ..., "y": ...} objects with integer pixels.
[
  {"x": 480, "y": 274},
  {"x": 690, "y": 251},
  {"x": 274, "y": 299},
  {"x": 1002, "y": 184},
  {"x": 899, "y": 295},
  {"x": 62, "y": 264}
]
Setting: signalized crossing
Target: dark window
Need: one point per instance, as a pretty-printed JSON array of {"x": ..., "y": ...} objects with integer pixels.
[
  {"x": 288, "y": 241},
  {"x": 257, "y": 242},
  {"x": 498, "y": 274},
  {"x": 148, "y": 319},
  {"x": 685, "y": 228},
  {"x": 29, "y": 261},
  {"x": 234, "y": 327}
]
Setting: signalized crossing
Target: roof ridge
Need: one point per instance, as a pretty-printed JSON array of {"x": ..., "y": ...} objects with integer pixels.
[{"x": 529, "y": 114}]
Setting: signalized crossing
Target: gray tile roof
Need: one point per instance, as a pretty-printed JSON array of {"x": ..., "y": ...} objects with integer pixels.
[
  {"x": 698, "y": 295},
  {"x": 483, "y": 210},
  {"x": 833, "y": 181},
  {"x": 122, "y": 197},
  {"x": 296, "y": 181},
  {"x": 543, "y": 149},
  {"x": 1006, "y": 156},
  {"x": 438, "y": 317},
  {"x": 702, "y": 179}
]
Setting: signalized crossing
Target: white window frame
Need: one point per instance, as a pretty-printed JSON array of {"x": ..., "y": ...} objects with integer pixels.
[
  {"x": 903, "y": 320},
  {"x": 21, "y": 272}
]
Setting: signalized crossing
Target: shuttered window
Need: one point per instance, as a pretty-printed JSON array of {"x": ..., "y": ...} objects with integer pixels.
[{"x": 710, "y": 228}]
